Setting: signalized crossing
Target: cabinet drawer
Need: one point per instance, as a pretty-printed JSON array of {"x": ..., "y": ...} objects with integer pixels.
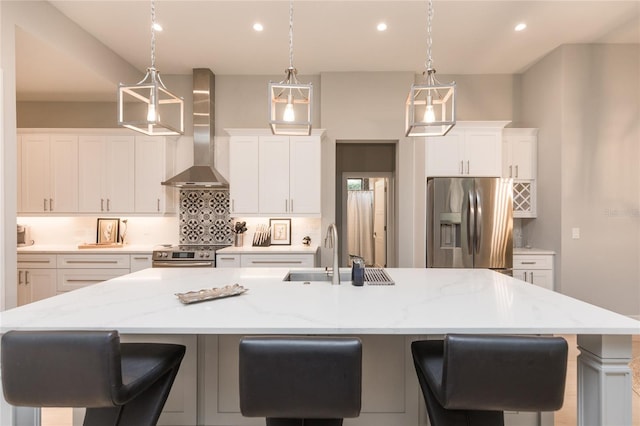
[
  {"x": 36, "y": 261},
  {"x": 227, "y": 261},
  {"x": 140, "y": 262},
  {"x": 531, "y": 261},
  {"x": 277, "y": 261},
  {"x": 85, "y": 261},
  {"x": 73, "y": 279}
]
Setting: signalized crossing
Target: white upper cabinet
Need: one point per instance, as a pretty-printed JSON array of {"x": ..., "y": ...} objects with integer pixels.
[
  {"x": 519, "y": 153},
  {"x": 106, "y": 175},
  {"x": 48, "y": 173},
  {"x": 469, "y": 149},
  {"x": 153, "y": 165},
  {"x": 243, "y": 174},
  {"x": 275, "y": 175}
]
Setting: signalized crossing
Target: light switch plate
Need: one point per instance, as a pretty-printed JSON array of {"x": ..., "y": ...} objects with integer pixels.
[{"x": 575, "y": 233}]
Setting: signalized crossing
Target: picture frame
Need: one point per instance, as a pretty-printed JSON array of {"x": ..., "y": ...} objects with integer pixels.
[
  {"x": 280, "y": 232},
  {"x": 108, "y": 231}
]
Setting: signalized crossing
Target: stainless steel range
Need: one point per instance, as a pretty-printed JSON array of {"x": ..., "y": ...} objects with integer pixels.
[{"x": 186, "y": 256}]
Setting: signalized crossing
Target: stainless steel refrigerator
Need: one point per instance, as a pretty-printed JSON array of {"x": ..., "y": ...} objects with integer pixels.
[{"x": 470, "y": 223}]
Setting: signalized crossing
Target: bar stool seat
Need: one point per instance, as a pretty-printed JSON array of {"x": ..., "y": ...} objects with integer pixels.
[
  {"x": 472, "y": 379},
  {"x": 295, "y": 381},
  {"x": 119, "y": 384}
]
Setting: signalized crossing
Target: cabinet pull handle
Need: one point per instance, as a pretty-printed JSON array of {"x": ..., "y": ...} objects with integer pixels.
[
  {"x": 19, "y": 277},
  {"x": 517, "y": 171},
  {"x": 528, "y": 263},
  {"x": 467, "y": 166},
  {"x": 158, "y": 204},
  {"x": 101, "y": 204},
  {"x": 292, "y": 205},
  {"x": 51, "y": 204},
  {"x": 286, "y": 205},
  {"x": 226, "y": 258},
  {"x": 45, "y": 204},
  {"x": 26, "y": 277},
  {"x": 276, "y": 261},
  {"x": 108, "y": 204},
  {"x": 461, "y": 167},
  {"x": 510, "y": 171},
  {"x": 33, "y": 261},
  {"x": 525, "y": 277},
  {"x": 141, "y": 258},
  {"x": 92, "y": 261}
]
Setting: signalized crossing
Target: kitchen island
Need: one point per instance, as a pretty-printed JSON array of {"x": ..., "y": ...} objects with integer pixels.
[{"x": 424, "y": 302}]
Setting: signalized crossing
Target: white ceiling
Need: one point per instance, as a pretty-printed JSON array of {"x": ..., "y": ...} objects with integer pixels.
[{"x": 469, "y": 37}]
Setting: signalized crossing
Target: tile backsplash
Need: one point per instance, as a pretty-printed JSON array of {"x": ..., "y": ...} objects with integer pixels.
[{"x": 204, "y": 217}]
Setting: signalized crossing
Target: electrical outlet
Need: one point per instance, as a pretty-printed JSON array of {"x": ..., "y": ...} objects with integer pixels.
[{"x": 575, "y": 233}]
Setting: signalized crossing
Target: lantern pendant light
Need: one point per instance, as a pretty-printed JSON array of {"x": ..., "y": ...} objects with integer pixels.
[
  {"x": 147, "y": 106},
  {"x": 290, "y": 101},
  {"x": 431, "y": 106}
]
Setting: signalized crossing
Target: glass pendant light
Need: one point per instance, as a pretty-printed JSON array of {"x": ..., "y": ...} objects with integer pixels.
[
  {"x": 290, "y": 101},
  {"x": 431, "y": 106},
  {"x": 147, "y": 106}
]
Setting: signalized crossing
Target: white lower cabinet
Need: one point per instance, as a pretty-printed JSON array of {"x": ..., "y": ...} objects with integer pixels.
[
  {"x": 36, "y": 277},
  {"x": 535, "y": 269},
  {"x": 140, "y": 261},
  {"x": 266, "y": 260},
  {"x": 80, "y": 270}
]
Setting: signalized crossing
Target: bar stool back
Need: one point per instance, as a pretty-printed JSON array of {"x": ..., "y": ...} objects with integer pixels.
[
  {"x": 119, "y": 384},
  {"x": 472, "y": 379},
  {"x": 295, "y": 381}
]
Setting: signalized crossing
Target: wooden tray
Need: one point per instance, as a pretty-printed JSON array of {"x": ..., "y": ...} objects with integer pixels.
[{"x": 96, "y": 245}]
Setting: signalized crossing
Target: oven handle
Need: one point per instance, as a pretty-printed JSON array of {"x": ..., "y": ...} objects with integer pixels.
[{"x": 181, "y": 264}]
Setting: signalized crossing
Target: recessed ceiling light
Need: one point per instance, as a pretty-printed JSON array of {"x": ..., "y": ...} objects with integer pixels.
[
  {"x": 157, "y": 27},
  {"x": 521, "y": 26},
  {"x": 381, "y": 26},
  {"x": 258, "y": 27}
]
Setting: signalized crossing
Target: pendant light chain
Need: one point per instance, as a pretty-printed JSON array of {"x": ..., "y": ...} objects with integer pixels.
[
  {"x": 153, "y": 34},
  {"x": 429, "y": 37},
  {"x": 290, "y": 33}
]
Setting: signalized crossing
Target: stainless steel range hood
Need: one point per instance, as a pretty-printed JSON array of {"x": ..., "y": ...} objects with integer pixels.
[{"x": 203, "y": 173}]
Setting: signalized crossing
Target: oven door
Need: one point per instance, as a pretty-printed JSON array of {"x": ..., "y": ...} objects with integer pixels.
[{"x": 183, "y": 264}]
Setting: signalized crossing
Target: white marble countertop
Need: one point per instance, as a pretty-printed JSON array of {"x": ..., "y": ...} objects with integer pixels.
[
  {"x": 73, "y": 248},
  {"x": 297, "y": 249},
  {"x": 532, "y": 250},
  {"x": 423, "y": 301}
]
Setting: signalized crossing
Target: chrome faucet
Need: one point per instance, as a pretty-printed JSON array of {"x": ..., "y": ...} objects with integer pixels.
[{"x": 331, "y": 241}]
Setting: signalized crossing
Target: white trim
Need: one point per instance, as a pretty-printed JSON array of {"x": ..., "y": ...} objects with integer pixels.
[{"x": 265, "y": 132}]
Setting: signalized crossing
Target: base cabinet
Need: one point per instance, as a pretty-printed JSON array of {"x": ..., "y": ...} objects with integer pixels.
[
  {"x": 36, "y": 277},
  {"x": 535, "y": 269},
  {"x": 309, "y": 260}
]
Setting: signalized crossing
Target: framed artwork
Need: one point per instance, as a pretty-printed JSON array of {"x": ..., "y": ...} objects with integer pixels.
[
  {"x": 280, "y": 232},
  {"x": 108, "y": 231}
]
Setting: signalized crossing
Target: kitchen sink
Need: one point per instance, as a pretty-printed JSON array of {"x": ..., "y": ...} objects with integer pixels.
[
  {"x": 319, "y": 275},
  {"x": 372, "y": 276}
]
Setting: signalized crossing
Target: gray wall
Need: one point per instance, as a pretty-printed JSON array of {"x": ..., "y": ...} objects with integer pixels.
[{"x": 588, "y": 169}]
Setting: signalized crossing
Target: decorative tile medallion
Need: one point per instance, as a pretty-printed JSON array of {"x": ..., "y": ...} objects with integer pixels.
[{"x": 204, "y": 217}]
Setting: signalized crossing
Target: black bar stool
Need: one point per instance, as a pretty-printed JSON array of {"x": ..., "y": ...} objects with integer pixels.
[
  {"x": 295, "y": 381},
  {"x": 119, "y": 384},
  {"x": 470, "y": 380}
]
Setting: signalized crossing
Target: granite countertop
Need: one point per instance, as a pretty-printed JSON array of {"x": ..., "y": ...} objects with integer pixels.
[
  {"x": 532, "y": 250},
  {"x": 297, "y": 249},
  {"x": 73, "y": 248},
  {"x": 423, "y": 301}
]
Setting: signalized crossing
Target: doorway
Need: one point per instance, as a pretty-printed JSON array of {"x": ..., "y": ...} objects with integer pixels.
[{"x": 365, "y": 194}]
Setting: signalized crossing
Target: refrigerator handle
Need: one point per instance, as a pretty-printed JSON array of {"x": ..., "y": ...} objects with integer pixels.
[
  {"x": 478, "y": 222},
  {"x": 471, "y": 215}
]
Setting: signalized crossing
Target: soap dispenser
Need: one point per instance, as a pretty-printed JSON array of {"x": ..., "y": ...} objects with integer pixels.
[{"x": 357, "y": 270}]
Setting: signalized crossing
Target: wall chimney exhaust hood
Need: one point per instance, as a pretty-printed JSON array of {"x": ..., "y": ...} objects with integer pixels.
[{"x": 203, "y": 173}]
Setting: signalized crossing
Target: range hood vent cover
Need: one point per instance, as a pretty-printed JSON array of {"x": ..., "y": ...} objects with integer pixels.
[{"x": 203, "y": 173}]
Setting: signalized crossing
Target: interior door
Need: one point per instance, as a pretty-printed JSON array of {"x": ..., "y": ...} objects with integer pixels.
[{"x": 380, "y": 223}]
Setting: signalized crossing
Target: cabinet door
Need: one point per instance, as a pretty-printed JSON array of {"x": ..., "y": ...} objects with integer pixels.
[
  {"x": 273, "y": 173},
  {"x": 445, "y": 155},
  {"x": 35, "y": 173},
  {"x": 119, "y": 181},
  {"x": 149, "y": 173},
  {"x": 523, "y": 157},
  {"x": 483, "y": 153},
  {"x": 63, "y": 196},
  {"x": 304, "y": 175},
  {"x": 243, "y": 174},
  {"x": 35, "y": 284},
  {"x": 140, "y": 261},
  {"x": 542, "y": 278},
  {"x": 92, "y": 169},
  {"x": 227, "y": 260}
]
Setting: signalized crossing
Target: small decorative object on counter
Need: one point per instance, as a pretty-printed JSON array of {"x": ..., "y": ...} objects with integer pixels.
[
  {"x": 238, "y": 233},
  {"x": 123, "y": 230},
  {"x": 357, "y": 270},
  {"x": 262, "y": 237},
  {"x": 306, "y": 240}
]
